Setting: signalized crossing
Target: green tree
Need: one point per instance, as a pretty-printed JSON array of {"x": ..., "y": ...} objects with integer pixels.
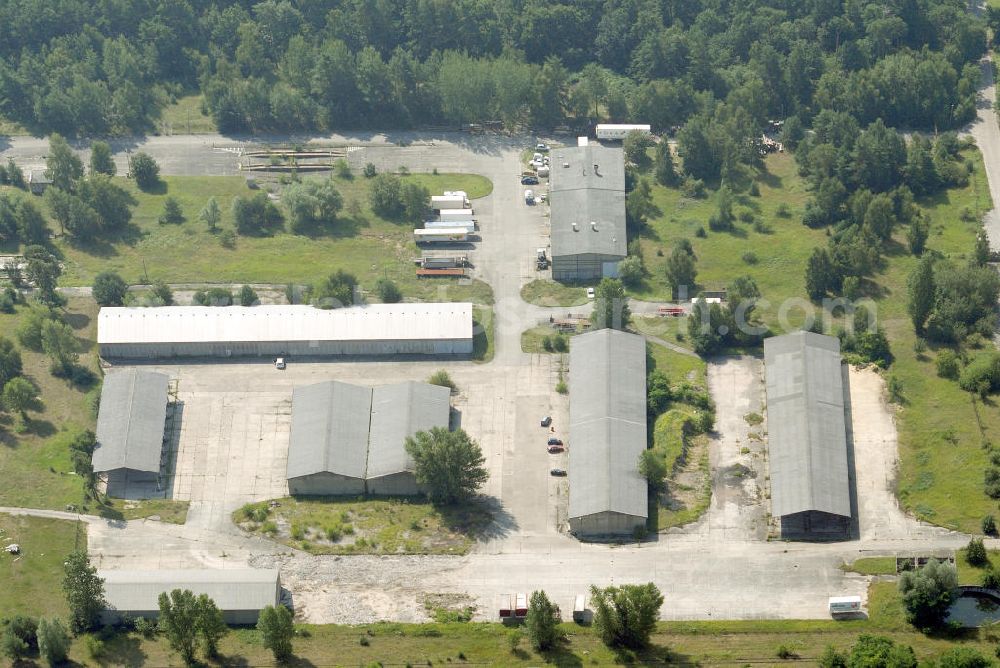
[
  {"x": 920, "y": 292},
  {"x": 388, "y": 291},
  {"x": 821, "y": 275},
  {"x": 639, "y": 206},
  {"x": 109, "y": 289},
  {"x": 663, "y": 165},
  {"x": 635, "y": 145},
  {"x": 653, "y": 467},
  {"x": 178, "y": 621},
  {"x": 448, "y": 464},
  {"x": 928, "y": 593},
  {"x": 630, "y": 270},
  {"x": 59, "y": 343},
  {"x": 162, "y": 295},
  {"x": 20, "y": 637},
  {"x": 63, "y": 167},
  {"x": 72, "y": 214},
  {"x": 84, "y": 592},
  {"x": 210, "y": 214},
  {"x": 610, "y": 305},
  {"x": 101, "y": 161},
  {"x": 10, "y": 361},
  {"x": 15, "y": 175},
  {"x": 871, "y": 651},
  {"x": 975, "y": 552},
  {"x": 53, "y": 641},
  {"x": 248, "y": 296},
  {"x": 917, "y": 233},
  {"x": 43, "y": 271},
  {"x": 172, "y": 213},
  {"x": 832, "y": 658},
  {"x": 18, "y": 396},
  {"x": 542, "y": 622},
  {"x": 312, "y": 204},
  {"x": 981, "y": 250},
  {"x": 145, "y": 170},
  {"x": 681, "y": 271},
  {"x": 276, "y": 629},
  {"x": 385, "y": 196},
  {"x": 256, "y": 215},
  {"x": 335, "y": 291},
  {"x": 415, "y": 198},
  {"x": 626, "y": 615},
  {"x": 111, "y": 203},
  {"x": 211, "y": 625}
]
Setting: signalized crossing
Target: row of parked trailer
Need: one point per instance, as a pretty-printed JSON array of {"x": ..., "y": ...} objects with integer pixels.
[{"x": 455, "y": 220}]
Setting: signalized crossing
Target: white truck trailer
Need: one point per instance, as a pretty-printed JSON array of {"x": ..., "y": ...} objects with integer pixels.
[
  {"x": 441, "y": 235},
  {"x": 467, "y": 225},
  {"x": 455, "y": 214},
  {"x": 844, "y": 605},
  {"x": 619, "y": 130},
  {"x": 442, "y": 202}
]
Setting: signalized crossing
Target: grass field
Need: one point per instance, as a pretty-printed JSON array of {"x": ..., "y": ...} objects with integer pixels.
[
  {"x": 973, "y": 575},
  {"x": 483, "y": 333},
  {"x": 673, "y": 330},
  {"x": 940, "y": 429},
  {"x": 685, "y": 643},
  {"x": 184, "y": 116},
  {"x": 532, "y": 339},
  {"x": 337, "y": 525},
  {"x": 872, "y": 566},
  {"x": 550, "y": 293},
  {"x": 32, "y": 580},
  {"x": 360, "y": 243}
]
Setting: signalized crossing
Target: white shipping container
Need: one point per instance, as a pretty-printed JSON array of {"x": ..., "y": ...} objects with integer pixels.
[
  {"x": 618, "y": 131},
  {"x": 441, "y": 202},
  {"x": 840, "y": 605},
  {"x": 467, "y": 225},
  {"x": 441, "y": 235}
]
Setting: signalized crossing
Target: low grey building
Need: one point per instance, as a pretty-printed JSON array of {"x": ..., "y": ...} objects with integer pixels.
[
  {"x": 130, "y": 424},
  {"x": 372, "y": 330},
  {"x": 349, "y": 439},
  {"x": 607, "y": 433},
  {"x": 807, "y": 434},
  {"x": 240, "y": 593},
  {"x": 587, "y": 212},
  {"x": 38, "y": 181}
]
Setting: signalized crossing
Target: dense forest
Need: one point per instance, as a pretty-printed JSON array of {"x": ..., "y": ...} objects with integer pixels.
[{"x": 87, "y": 67}]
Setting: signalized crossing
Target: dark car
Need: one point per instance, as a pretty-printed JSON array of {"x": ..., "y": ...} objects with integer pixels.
[
  {"x": 529, "y": 181},
  {"x": 556, "y": 449},
  {"x": 555, "y": 441},
  {"x": 547, "y": 420},
  {"x": 558, "y": 472}
]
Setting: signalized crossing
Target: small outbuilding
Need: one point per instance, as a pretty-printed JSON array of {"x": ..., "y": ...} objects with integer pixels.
[
  {"x": 349, "y": 439},
  {"x": 130, "y": 425},
  {"x": 437, "y": 329},
  {"x": 38, "y": 181},
  {"x": 607, "y": 433},
  {"x": 807, "y": 434},
  {"x": 240, "y": 593}
]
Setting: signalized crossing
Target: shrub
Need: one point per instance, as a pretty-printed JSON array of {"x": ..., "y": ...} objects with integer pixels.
[
  {"x": 783, "y": 211},
  {"x": 145, "y": 627},
  {"x": 990, "y": 579},
  {"x": 784, "y": 652},
  {"x": 975, "y": 552},
  {"x": 388, "y": 291},
  {"x": 750, "y": 257},
  {"x": 947, "y": 363},
  {"x": 989, "y": 526},
  {"x": 559, "y": 343},
  {"x": 700, "y": 232},
  {"x": 370, "y": 170},
  {"x": 342, "y": 169},
  {"x": 94, "y": 647},
  {"x": 227, "y": 238},
  {"x": 991, "y": 482},
  {"x": 547, "y": 343},
  {"x": 754, "y": 189},
  {"x": 441, "y": 377}
]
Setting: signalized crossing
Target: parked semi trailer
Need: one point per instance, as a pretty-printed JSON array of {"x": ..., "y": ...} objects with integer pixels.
[
  {"x": 467, "y": 225},
  {"x": 455, "y": 214},
  {"x": 442, "y": 235},
  {"x": 441, "y": 202},
  {"x": 618, "y": 130}
]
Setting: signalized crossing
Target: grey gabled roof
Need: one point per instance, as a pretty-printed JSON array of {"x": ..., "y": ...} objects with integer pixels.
[
  {"x": 130, "y": 421},
  {"x": 807, "y": 441},
  {"x": 579, "y": 194},
  {"x": 232, "y": 589},
  {"x": 399, "y": 411},
  {"x": 357, "y": 431},
  {"x": 607, "y": 423},
  {"x": 329, "y": 429}
]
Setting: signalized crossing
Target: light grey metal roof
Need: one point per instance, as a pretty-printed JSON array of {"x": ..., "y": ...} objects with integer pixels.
[
  {"x": 580, "y": 194},
  {"x": 329, "y": 429},
  {"x": 130, "y": 421},
  {"x": 231, "y": 589},
  {"x": 399, "y": 411},
  {"x": 221, "y": 324},
  {"x": 807, "y": 441},
  {"x": 358, "y": 431},
  {"x": 607, "y": 423}
]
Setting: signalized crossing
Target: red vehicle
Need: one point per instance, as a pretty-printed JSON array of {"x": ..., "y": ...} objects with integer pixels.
[
  {"x": 556, "y": 449},
  {"x": 674, "y": 311}
]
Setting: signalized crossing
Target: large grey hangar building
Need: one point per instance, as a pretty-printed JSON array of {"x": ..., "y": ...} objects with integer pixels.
[
  {"x": 587, "y": 212},
  {"x": 607, "y": 433},
  {"x": 273, "y": 331},
  {"x": 807, "y": 434},
  {"x": 348, "y": 439},
  {"x": 130, "y": 425}
]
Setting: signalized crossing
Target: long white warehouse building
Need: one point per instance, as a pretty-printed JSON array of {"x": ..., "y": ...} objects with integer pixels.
[{"x": 273, "y": 331}]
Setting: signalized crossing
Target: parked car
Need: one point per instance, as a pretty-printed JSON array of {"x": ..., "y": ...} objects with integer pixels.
[
  {"x": 556, "y": 449},
  {"x": 542, "y": 148},
  {"x": 558, "y": 472},
  {"x": 529, "y": 197},
  {"x": 279, "y": 363},
  {"x": 529, "y": 180},
  {"x": 590, "y": 293},
  {"x": 547, "y": 420},
  {"x": 554, "y": 441}
]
